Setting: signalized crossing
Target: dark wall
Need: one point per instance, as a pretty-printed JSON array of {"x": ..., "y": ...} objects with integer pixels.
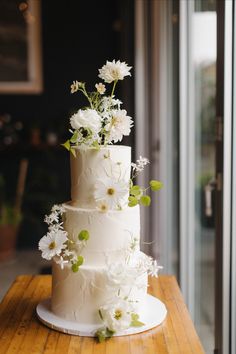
[{"x": 78, "y": 36}]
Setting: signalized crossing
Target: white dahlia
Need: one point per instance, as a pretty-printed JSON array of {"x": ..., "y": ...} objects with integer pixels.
[
  {"x": 118, "y": 124},
  {"x": 111, "y": 192},
  {"x": 52, "y": 244},
  {"x": 113, "y": 71},
  {"x": 100, "y": 88},
  {"x": 87, "y": 118}
]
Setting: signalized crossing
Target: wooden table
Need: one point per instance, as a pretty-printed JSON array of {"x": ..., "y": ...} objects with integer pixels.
[{"x": 21, "y": 331}]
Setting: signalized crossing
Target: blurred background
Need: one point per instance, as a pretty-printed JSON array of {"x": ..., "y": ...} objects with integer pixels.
[{"x": 179, "y": 50}]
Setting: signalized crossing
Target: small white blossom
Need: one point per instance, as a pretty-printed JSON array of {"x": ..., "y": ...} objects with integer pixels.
[
  {"x": 108, "y": 103},
  {"x": 103, "y": 207},
  {"x": 113, "y": 71},
  {"x": 111, "y": 192},
  {"x": 58, "y": 208},
  {"x": 61, "y": 261},
  {"x": 118, "y": 125},
  {"x": 75, "y": 86},
  {"x": 53, "y": 217},
  {"x": 116, "y": 315},
  {"x": 100, "y": 88},
  {"x": 52, "y": 244},
  {"x": 87, "y": 119},
  {"x": 154, "y": 269},
  {"x": 55, "y": 227},
  {"x": 140, "y": 164}
]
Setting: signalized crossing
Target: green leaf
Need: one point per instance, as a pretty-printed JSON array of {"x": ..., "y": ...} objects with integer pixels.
[
  {"x": 83, "y": 235},
  {"x": 145, "y": 200},
  {"x": 109, "y": 333},
  {"x": 132, "y": 201},
  {"x": 155, "y": 185},
  {"x": 80, "y": 260},
  {"x": 96, "y": 145},
  {"x": 135, "y": 321},
  {"x": 101, "y": 335},
  {"x": 75, "y": 267},
  {"x": 66, "y": 145},
  {"x": 135, "y": 190},
  {"x": 73, "y": 152},
  {"x": 136, "y": 324},
  {"x": 74, "y": 137},
  {"x": 104, "y": 333}
]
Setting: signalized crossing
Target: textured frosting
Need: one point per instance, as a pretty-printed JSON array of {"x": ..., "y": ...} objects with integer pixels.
[
  {"x": 78, "y": 296},
  {"x": 90, "y": 164},
  {"x": 111, "y": 233}
]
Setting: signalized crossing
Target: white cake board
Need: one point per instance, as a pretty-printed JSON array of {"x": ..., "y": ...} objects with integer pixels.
[{"x": 155, "y": 313}]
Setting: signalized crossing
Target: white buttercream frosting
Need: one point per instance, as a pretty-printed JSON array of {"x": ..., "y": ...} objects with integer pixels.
[
  {"x": 111, "y": 233},
  {"x": 78, "y": 296},
  {"x": 91, "y": 164}
]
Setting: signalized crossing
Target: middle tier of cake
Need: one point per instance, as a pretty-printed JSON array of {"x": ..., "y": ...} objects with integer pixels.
[{"x": 110, "y": 234}]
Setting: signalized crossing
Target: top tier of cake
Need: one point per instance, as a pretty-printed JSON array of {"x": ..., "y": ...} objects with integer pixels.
[{"x": 91, "y": 165}]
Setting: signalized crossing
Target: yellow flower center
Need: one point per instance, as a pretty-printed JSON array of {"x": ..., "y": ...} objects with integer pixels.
[
  {"x": 118, "y": 314},
  {"x": 52, "y": 245},
  {"x": 103, "y": 207},
  {"x": 111, "y": 191}
]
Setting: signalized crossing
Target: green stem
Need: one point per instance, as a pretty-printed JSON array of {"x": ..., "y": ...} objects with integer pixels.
[{"x": 113, "y": 88}]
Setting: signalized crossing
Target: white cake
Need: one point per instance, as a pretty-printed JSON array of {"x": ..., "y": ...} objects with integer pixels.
[
  {"x": 99, "y": 275},
  {"x": 78, "y": 296}
]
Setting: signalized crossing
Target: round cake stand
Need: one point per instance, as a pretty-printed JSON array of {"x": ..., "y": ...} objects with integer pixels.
[{"x": 155, "y": 313}]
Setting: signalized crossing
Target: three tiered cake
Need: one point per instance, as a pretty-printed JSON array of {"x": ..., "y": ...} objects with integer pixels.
[{"x": 99, "y": 274}]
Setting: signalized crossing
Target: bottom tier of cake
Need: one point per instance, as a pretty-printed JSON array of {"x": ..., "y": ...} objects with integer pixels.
[{"x": 79, "y": 296}]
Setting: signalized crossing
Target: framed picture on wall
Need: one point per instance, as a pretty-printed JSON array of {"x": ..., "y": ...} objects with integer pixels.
[{"x": 20, "y": 47}]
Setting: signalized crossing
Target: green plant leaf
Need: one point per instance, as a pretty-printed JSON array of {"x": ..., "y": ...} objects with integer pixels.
[
  {"x": 66, "y": 145},
  {"x": 132, "y": 201},
  {"x": 80, "y": 260},
  {"x": 135, "y": 320},
  {"x": 74, "y": 137},
  {"x": 101, "y": 335},
  {"x": 75, "y": 267},
  {"x": 73, "y": 152},
  {"x": 83, "y": 235},
  {"x": 155, "y": 185},
  {"x": 104, "y": 333},
  {"x": 135, "y": 190},
  {"x": 145, "y": 200}
]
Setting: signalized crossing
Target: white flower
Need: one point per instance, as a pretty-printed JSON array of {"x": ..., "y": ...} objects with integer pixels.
[
  {"x": 55, "y": 227},
  {"x": 123, "y": 276},
  {"x": 111, "y": 192},
  {"x": 103, "y": 207},
  {"x": 53, "y": 217},
  {"x": 88, "y": 119},
  {"x": 108, "y": 103},
  {"x": 118, "y": 124},
  {"x": 61, "y": 261},
  {"x": 116, "y": 315},
  {"x": 113, "y": 71},
  {"x": 140, "y": 164},
  {"x": 75, "y": 86},
  {"x": 100, "y": 88},
  {"x": 52, "y": 244},
  {"x": 58, "y": 208}
]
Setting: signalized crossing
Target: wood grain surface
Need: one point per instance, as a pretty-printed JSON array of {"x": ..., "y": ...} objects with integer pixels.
[{"x": 21, "y": 331}]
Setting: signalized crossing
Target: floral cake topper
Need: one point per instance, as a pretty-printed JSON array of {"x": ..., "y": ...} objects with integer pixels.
[{"x": 103, "y": 121}]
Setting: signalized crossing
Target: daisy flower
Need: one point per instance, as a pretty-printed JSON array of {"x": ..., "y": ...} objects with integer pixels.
[
  {"x": 111, "y": 192},
  {"x": 52, "y": 244}
]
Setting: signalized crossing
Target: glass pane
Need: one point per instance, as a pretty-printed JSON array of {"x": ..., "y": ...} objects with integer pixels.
[{"x": 203, "y": 43}]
